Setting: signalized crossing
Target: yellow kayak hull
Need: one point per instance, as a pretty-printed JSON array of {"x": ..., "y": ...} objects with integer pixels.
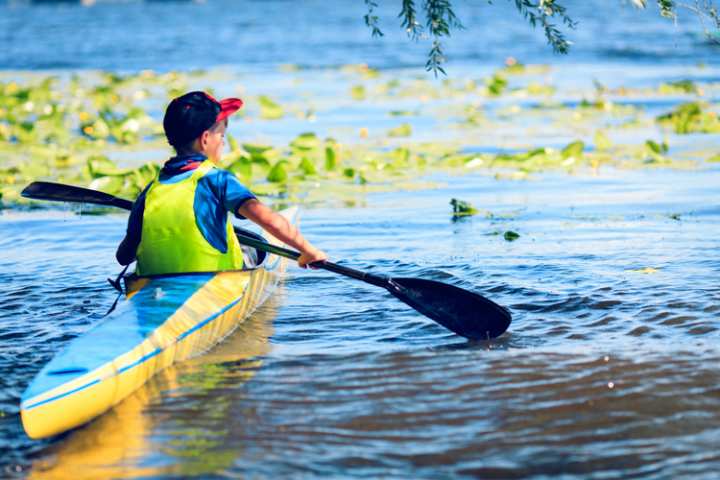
[{"x": 163, "y": 320}]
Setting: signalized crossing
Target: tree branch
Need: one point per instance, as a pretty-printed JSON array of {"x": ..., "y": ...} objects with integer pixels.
[{"x": 372, "y": 20}]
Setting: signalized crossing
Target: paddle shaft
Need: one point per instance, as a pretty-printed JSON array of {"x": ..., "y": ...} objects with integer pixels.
[
  {"x": 465, "y": 313},
  {"x": 377, "y": 280},
  {"x": 60, "y": 192}
]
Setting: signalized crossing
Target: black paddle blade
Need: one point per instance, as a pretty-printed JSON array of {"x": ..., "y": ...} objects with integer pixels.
[
  {"x": 465, "y": 313},
  {"x": 68, "y": 193}
]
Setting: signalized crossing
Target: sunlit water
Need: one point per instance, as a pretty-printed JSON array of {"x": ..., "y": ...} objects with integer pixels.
[
  {"x": 609, "y": 370},
  {"x": 609, "y": 367}
]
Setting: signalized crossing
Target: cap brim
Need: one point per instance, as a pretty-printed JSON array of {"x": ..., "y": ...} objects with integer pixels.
[{"x": 228, "y": 106}]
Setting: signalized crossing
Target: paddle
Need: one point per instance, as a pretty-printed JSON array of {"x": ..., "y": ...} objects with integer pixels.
[{"x": 466, "y": 313}]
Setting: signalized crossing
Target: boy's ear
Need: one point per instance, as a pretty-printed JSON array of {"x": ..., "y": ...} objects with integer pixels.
[{"x": 204, "y": 138}]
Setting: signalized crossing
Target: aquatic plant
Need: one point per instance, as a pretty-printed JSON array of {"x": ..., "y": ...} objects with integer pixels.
[
  {"x": 511, "y": 236},
  {"x": 461, "y": 208},
  {"x": 269, "y": 109},
  {"x": 690, "y": 118},
  {"x": 98, "y": 131},
  {"x": 402, "y": 130},
  {"x": 680, "y": 86}
]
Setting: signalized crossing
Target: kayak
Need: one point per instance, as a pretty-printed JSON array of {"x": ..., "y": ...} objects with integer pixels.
[{"x": 162, "y": 320}]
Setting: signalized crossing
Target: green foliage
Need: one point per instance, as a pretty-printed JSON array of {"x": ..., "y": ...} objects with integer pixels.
[
  {"x": 602, "y": 142},
  {"x": 269, "y": 109},
  {"x": 305, "y": 142},
  {"x": 307, "y": 167},
  {"x": 101, "y": 166},
  {"x": 461, "y": 208},
  {"x": 357, "y": 92},
  {"x": 511, "y": 236},
  {"x": 573, "y": 150},
  {"x": 331, "y": 161},
  {"x": 658, "y": 148},
  {"x": 666, "y": 7},
  {"x": 681, "y": 86},
  {"x": 496, "y": 85},
  {"x": 402, "y": 130},
  {"x": 242, "y": 168},
  {"x": 372, "y": 20},
  {"x": 410, "y": 22},
  {"x": 690, "y": 118},
  {"x": 440, "y": 20},
  {"x": 655, "y": 152},
  {"x": 41, "y": 138},
  {"x": 541, "y": 13},
  {"x": 279, "y": 172},
  {"x": 513, "y": 67}
]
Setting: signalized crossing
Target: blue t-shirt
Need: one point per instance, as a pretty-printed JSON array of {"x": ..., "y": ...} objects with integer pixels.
[{"x": 217, "y": 193}]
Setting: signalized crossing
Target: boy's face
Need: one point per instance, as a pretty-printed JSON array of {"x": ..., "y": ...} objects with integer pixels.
[{"x": 213, "y": 142}]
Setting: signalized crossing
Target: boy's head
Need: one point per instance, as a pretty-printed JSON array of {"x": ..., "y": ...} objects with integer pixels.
[{"x": 196, "y": 122}]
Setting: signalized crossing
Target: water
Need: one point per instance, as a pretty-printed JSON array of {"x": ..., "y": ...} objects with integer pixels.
[
  {"x": 609, "y": 370},
  {"x": 185, "y": 35}
]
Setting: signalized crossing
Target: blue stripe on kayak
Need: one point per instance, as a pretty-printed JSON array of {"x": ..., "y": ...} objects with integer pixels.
[
  {"x": 97, "y": 380},
  {"x": 138, "y": 361},
  {"x": 127, "y": 327},
  {"x": 82, "y": 387},
  {"x": 144, "y": 358},
  {"x": 209, "y": 319}
]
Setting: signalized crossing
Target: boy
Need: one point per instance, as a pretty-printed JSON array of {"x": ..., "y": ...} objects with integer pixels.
[{"x": 179, "y": 223}]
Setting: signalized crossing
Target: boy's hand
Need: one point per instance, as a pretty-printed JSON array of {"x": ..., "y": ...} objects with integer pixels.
[{"x": 314, "y": 255}]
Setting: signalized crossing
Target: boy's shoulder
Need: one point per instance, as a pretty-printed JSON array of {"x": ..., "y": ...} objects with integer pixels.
[
  {"x": 217, "y": 173},
  {"x": 220, "y": 179}
]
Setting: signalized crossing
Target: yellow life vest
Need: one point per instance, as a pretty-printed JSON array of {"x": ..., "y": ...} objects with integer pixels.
[{"x": 171, "y": 241}]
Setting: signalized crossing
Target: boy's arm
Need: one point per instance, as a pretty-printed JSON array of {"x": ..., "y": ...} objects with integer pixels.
[
  {"x": 127, "y": 250},
  {"x": 280, "y": 228}
]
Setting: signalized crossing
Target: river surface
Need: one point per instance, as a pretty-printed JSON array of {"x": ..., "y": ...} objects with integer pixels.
[{"x": 610, "y": 369}]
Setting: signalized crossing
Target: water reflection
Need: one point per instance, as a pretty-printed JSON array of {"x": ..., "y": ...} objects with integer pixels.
[{"x": 180, "y": 414}]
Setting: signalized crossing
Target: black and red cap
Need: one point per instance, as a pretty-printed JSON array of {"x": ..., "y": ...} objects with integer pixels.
[{"x": 189, "y": 115}]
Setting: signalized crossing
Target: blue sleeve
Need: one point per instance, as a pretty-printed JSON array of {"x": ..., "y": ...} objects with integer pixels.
[
  {"x": 127, "y": 250},
  {"x": 232, "y": 193},
  {"x": 217, "y": 193}
]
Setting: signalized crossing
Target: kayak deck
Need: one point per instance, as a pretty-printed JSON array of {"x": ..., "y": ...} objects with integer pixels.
[{"x": 163, "y": 320}]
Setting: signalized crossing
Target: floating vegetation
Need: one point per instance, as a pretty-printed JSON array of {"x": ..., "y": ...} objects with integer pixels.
[
  {"x": 102, "y": 130},
  {"x": 462, "y": 208},
  {"x": 601, "y": 141},
  {"x": 645, "y": 270},
  {"x": 402, "y": 130},
  {"x": 269, "y": 109},
  {"x": 511, "y": 236},
  {"x": 496, "y": 85},
  {"x": 691, "y": 118},
  {"x": 681, "y": 86},
  {"x": 358, "y": 92}
]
